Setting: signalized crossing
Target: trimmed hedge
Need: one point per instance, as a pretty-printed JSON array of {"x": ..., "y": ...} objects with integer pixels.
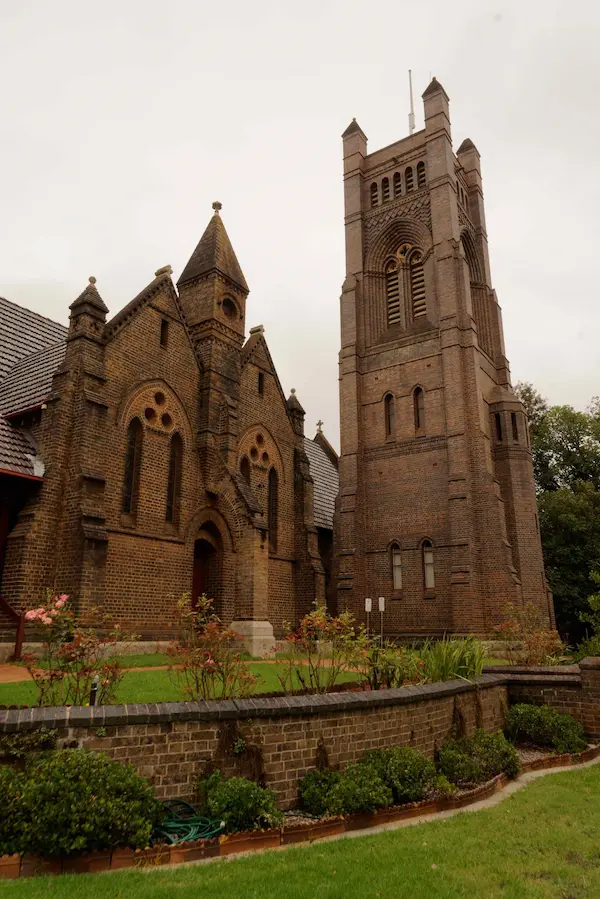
[
  {"x": 359, "y": 789},
  {"x": 544, "y": 727},
  {"x": 74, "y": 801},
  {"x": 475, "y": 759}
]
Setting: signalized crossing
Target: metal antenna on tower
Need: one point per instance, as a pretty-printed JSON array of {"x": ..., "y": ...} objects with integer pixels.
[{"x": 411, "y": 115}]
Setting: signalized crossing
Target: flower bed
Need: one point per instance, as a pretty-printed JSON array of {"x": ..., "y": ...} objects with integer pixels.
[{"x": 297, "y": 830}]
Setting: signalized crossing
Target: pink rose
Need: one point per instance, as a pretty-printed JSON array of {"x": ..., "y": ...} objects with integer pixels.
[
  {"x": 63, "y": 598},
  {"x": 60, "y": 602},
  {"x": 31, "y": 615},
  {"x": 53, "y": 612},
  {"x": 46, "y": 619}
]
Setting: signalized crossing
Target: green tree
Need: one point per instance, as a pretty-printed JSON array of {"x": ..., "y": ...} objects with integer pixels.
[{"x": 566, "y": 460}]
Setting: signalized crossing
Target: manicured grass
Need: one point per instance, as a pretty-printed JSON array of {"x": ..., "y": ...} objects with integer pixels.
[
  {"x": 148, "y": 686},
  {"x": 541, "y": 843}
]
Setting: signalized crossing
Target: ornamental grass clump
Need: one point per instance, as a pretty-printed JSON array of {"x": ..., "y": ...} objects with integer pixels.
[
  {"x": 240, "y": 803},
  {"x": 72, "y": 801},
  {"x": 73, "y": 655},
  {"x": 208, "y": 660},
  {"x": 475, "y": 759},
  {"x": 544, "y": 727},
  {"x": 451, "y": 658}
]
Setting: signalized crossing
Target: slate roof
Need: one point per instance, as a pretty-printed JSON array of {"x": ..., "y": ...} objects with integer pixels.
[
  {"x": 31, "y": 349},
  {"x": 214, "y": 252},
  {"x": 326, "y": 483},
  {"x": 23, "y": 332}
]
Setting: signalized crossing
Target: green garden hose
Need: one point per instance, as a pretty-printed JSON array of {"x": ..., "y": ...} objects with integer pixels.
[{"x": 182, "y": 822}]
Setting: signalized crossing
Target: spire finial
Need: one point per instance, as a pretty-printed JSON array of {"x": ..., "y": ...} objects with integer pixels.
[
  {"x": 92, "y": 280},
  {"x": 320, "y": 426},
  {"x": 293, "y": 391},
  {"x": 217, "y": 206}
]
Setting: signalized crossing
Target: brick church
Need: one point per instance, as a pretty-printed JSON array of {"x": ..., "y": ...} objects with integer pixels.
[
  {"x": 436, "y": 509},
  {"x": 154, "y": 453}
]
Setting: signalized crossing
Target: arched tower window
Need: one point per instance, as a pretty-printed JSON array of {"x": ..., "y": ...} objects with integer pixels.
[
  {"x": 421, "y": 181},
  {"x": 408, "y": 179},
  {"x": 392, "y": 290},
  {"x": 515, "y": 426},
  {"x": 397, "y": 184},
  {"x": 374, "y": 195},
  {"x": 390, "y": 415},
  {"x": 272, "y": 503},
  {"x": 133, "y": 467},
  {"x": 396, "y": 558},
  {"x": 417, "y": 285},
  {"x": 428, "y": 565},
  {"x": 385, "y": 190},
  {"x": 419, "y": 408},
  {"x": 174, "y": 479},
  {"x": 245, "y": 469}
]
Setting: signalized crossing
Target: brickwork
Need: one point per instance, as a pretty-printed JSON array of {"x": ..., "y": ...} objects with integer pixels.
[
  {"x": 175, "y": 361},
  {"x": 459, "y": 478},
  {"x": 169, "y": 743}
]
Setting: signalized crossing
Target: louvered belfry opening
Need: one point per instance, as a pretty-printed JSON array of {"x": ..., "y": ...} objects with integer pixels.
[
  {"x": 374, "y": 195},
  {"x": 417, "y": 285},
  {"x": 421, "y": 180},
  {"x": 392, "y": 290},
  {"x": 397, "y": 185},
  {"x": 385, "y": 190},
  {"x": 409, "y": 179}
]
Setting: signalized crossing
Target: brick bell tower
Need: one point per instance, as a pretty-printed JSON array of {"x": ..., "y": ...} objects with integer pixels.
[{"x": 436, "y": 510}]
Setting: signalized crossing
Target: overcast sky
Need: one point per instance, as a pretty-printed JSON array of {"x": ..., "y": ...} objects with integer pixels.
[{"x": 123, "y": 120}]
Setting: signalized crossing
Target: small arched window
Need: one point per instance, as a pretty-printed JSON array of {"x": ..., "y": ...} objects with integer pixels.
[
  {"x": 499, "y": 435},
  {"x": 396, "y": 566},
  {"x": 174, "y": 480},
  {"x": 390, "y": 415},
  {"x": 421, "y": 175},
  {"x": 392, "y": 290},
  {"x": 272, "y": 504},
  {"x": 245, "y": 469},
  {"x": 417, "y": 285},
  {"x": 428, "y": 565},
  {"x": 419, "y": 408},
  {"x": 408, "y": 179},
  {"x": 133, "y": 467},
  {"x": 397, "y": 185},
  {"x": 385, "y": 190},
  {"x": 374, "y": 195}
]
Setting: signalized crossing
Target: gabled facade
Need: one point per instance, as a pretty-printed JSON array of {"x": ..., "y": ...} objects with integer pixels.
[
  {"x": 169, "y": 460},
  {"x": 437, "y": 509}
]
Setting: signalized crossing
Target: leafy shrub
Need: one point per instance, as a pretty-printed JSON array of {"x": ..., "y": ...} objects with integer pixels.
[
  {"x": 359, "y": 789},
  {"x": 385, "y": 665},
  {"x": 544, "y": 727},
  {"x": 588, "y": 648},
  {"x": 18, "y": 745},
  {"x": 405, "y": 771},
  {"x": 75, "y": 801},
  {"x": 241, "y": 804},
  {"x": 322, "y": 648},
  {"x": 12, "y": 819},
  {"x": 314, "y": 789},
  {"x": 475, "y": 759},
  {"x": 443, "y": 787},
  {"x": 527, "y": 641}
]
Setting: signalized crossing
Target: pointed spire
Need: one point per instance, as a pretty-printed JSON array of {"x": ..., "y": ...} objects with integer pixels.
[
  {"x": 214, "y": 253},
  {"x": 433, "y": 88},
  {"x": 90, "y": 298},
  {"x": 466, "y": 145},
  {"x": 352, "y": 128}
]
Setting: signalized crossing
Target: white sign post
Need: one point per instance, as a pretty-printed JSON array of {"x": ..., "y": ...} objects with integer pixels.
[
  {"x": 368, "y": 608},
  {"x": 381, "y": 611}
]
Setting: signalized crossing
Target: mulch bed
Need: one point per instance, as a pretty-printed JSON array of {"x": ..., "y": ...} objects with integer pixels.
[{"x": 298, "y": 828}]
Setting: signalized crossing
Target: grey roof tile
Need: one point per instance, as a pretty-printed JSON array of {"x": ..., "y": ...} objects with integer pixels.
[
  {"x": 28, "y": 383},
  {"x": 23, "y": 332},
  {"x": 326, "y": 483}
]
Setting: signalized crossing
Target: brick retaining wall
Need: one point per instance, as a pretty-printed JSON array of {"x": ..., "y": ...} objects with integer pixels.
[{"x": 169, "y": 742}]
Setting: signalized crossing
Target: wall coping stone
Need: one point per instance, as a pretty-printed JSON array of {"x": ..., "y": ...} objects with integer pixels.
[
  {"x": 12, "y": 720},
  {"x": 591, "y": 662}
]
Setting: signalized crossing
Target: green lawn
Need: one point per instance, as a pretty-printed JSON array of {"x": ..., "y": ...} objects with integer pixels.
[
  {"x": 541, "y": 843},
  {"x": 147, "y": 686}
]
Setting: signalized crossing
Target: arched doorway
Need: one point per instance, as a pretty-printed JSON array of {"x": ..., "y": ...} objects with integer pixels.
[{"x": 208, "y": 565}]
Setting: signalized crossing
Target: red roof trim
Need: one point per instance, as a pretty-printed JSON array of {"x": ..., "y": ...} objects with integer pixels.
[
  {"x": 18, "y": 474},
  {"x": 26, "y": 411}
]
